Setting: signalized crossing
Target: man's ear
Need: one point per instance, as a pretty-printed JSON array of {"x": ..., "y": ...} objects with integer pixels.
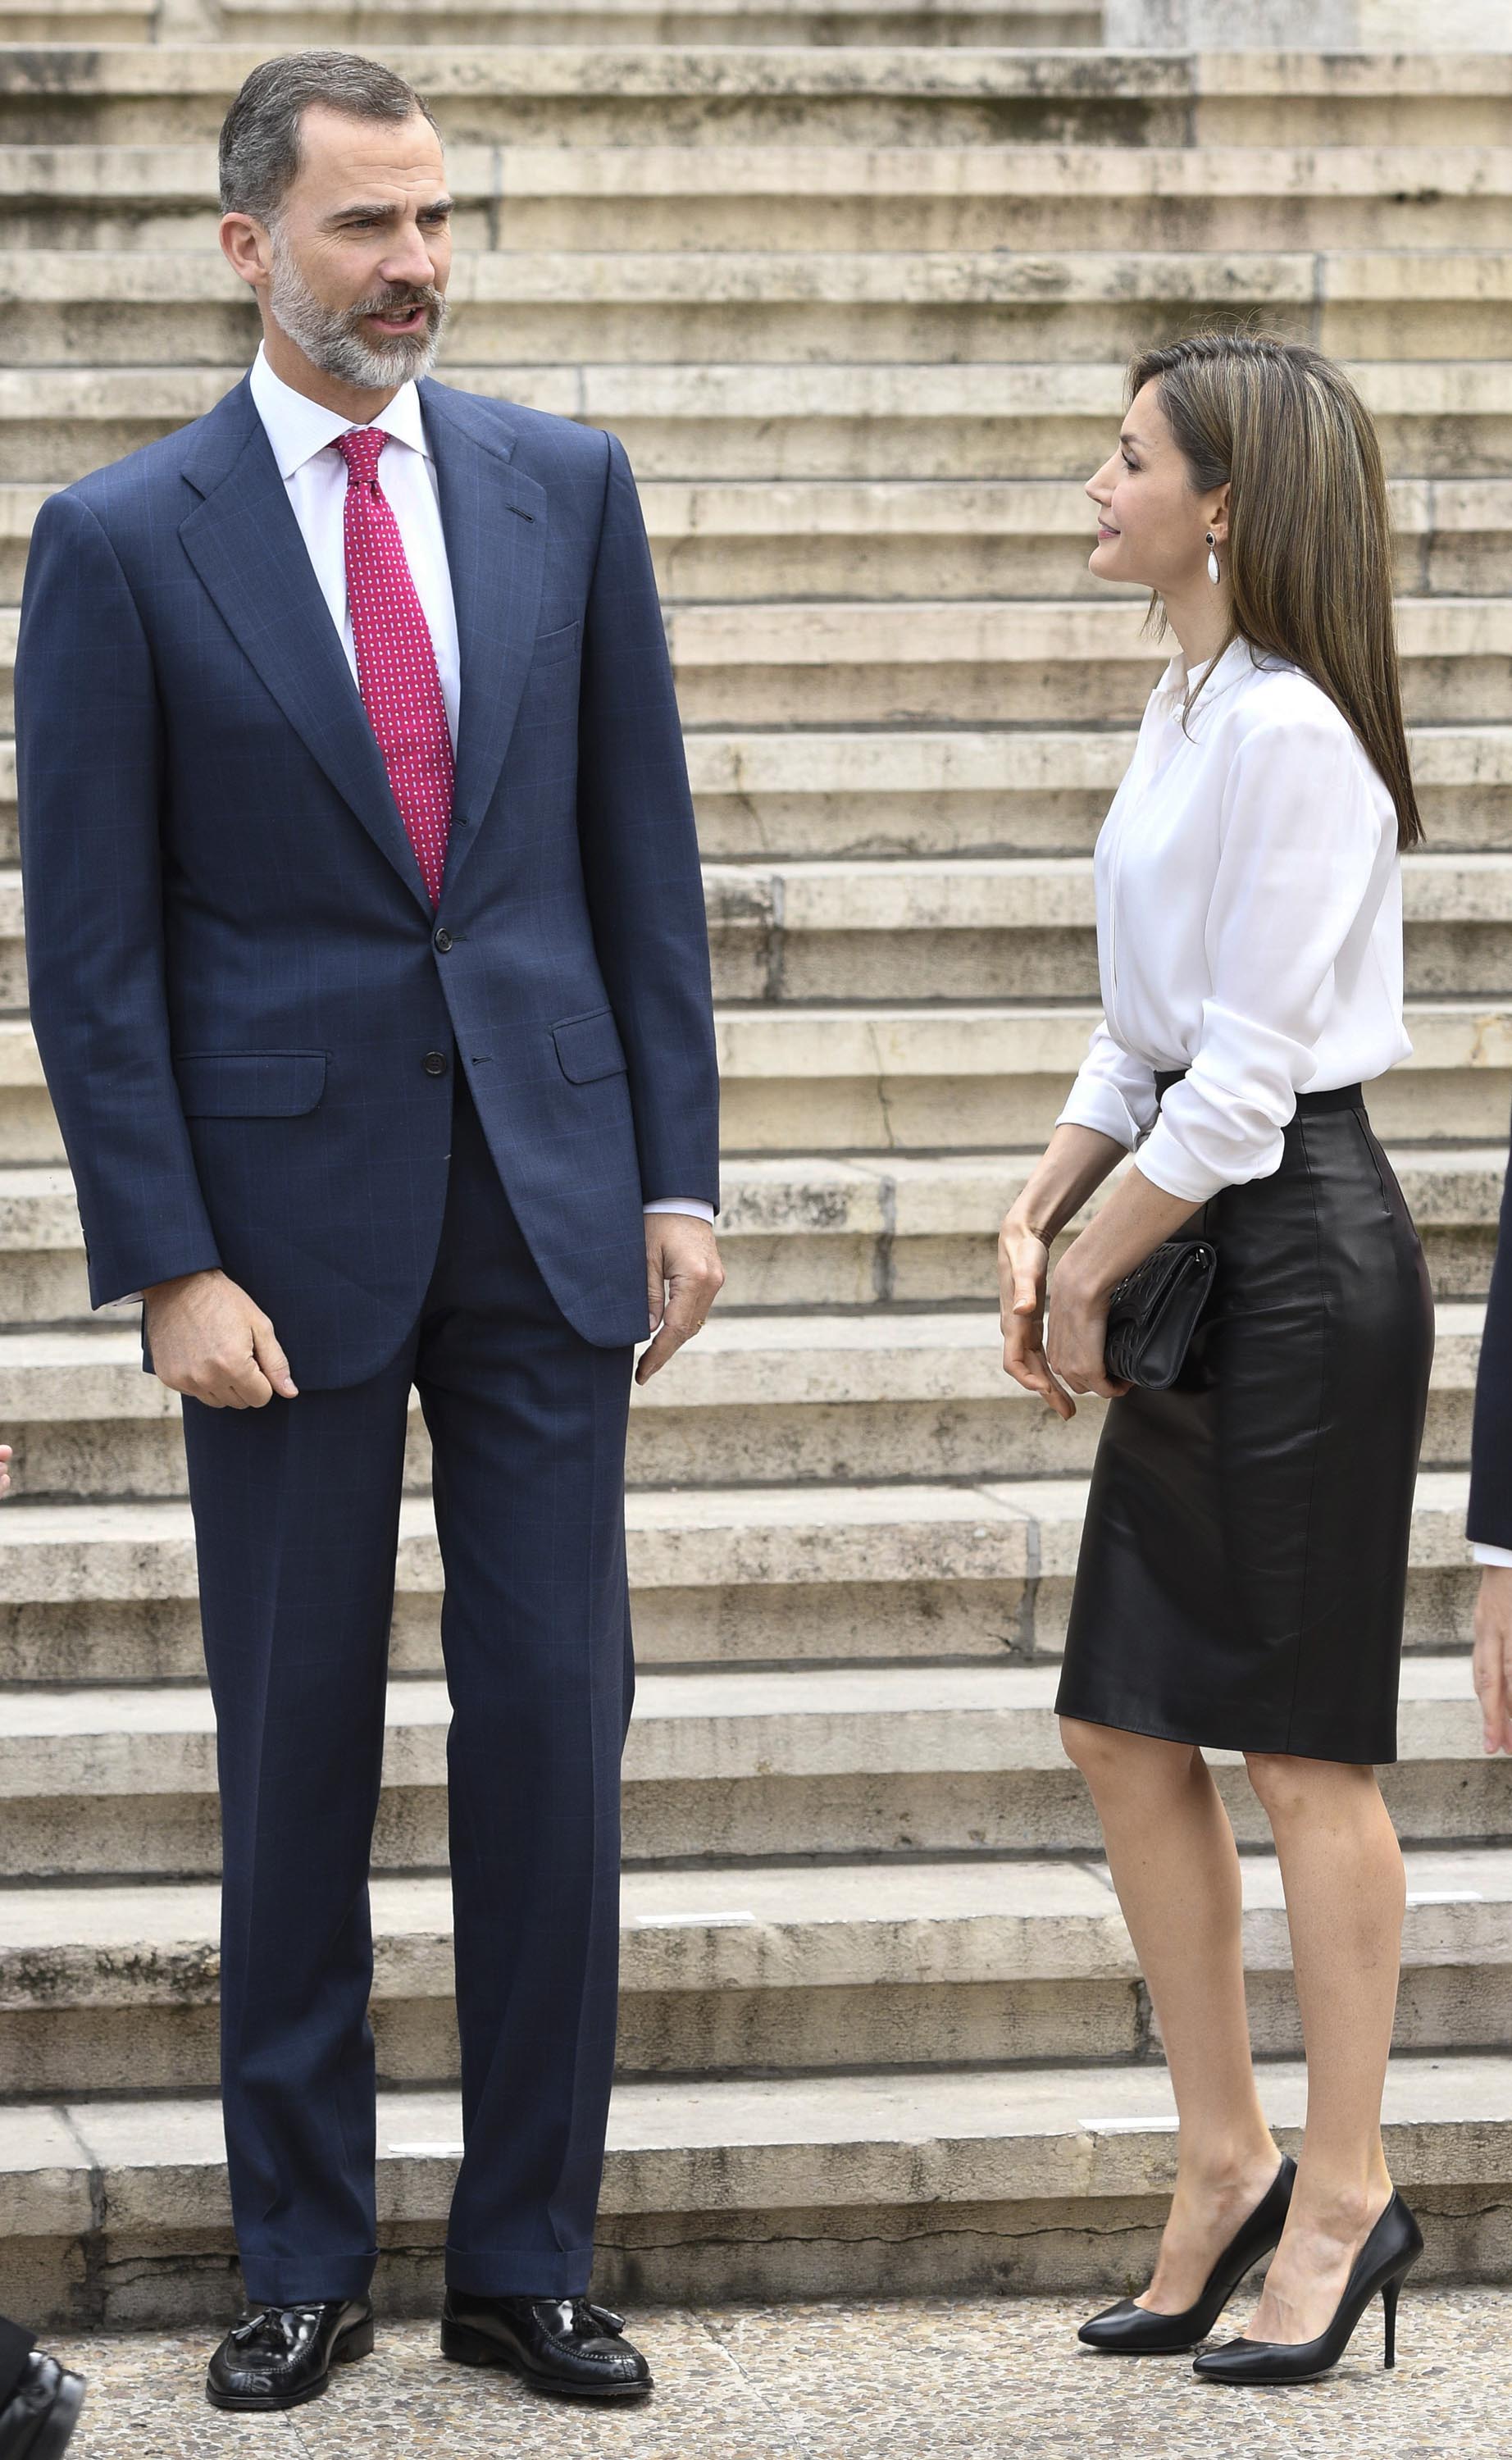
[{"x": 246, "y": 247}]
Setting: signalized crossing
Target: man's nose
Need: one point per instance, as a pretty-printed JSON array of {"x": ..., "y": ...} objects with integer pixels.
[{"x": 410, "y": 261}]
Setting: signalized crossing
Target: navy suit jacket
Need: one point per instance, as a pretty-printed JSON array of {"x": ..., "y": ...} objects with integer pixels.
[{"x": 236, "y": 976}]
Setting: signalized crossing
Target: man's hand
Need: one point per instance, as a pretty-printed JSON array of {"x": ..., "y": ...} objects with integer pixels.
[
  {"x": 210, "y": 1340},
  {"x": 682, "y": 1279},
  {"x": 1492, "y": 1663}
]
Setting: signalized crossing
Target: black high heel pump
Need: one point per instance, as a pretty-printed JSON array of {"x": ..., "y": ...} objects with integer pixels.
[
  {"x": 1383, "y": 2262},
  {"x": 1130, "y": 2331}
]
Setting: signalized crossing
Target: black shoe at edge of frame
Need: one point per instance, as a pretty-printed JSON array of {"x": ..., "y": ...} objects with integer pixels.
[{"x": 41, "y": 2413}]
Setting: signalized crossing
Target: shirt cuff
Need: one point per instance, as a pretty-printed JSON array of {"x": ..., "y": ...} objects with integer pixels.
[
  {"x": 693, "y": 1204},
  {"x": 1101, "y": 1106},
  {"x": 1491, "y": 1554}
]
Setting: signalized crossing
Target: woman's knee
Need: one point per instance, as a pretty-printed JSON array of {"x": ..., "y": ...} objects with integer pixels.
[
  {"x": 1107, "y": 1756},
  {"x": 1291, "y": 1787}
]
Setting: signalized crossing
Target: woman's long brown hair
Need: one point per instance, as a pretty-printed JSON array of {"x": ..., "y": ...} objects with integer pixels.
[{"x": 1309, "y": 528}]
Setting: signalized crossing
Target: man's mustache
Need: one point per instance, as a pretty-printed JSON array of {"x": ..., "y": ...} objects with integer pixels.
[{"x": 395, "y": 303}]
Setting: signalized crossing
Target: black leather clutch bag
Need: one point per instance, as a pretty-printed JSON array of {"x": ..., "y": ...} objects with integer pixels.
[{"x": 1154, "y": 1312}]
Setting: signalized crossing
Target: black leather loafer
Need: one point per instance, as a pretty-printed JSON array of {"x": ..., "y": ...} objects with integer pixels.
[
  {"x": 283, "y": 2354},
  {"x": 42, "y": 2412},
  {"x": 558, "y": 2345}
]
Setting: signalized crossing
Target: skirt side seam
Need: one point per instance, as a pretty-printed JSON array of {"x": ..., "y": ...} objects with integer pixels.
[{"x": 1325, "y": 1372}]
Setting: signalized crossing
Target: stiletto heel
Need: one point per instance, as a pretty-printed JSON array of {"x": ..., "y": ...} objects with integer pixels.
[
  {"x": 1128, "y": 2331},
  {"x": 1389, "y": 2296},
  {"x": 1382, "y": 2263}
]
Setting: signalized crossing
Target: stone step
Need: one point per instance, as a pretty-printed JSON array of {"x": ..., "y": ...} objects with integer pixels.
[
  {"x": 929, "y": 539},
  {"x": 760, "y": 1399},
  {"x": 116, "y": 2211},
  {"x": 941, "y": 94},
  {"x": 737, "y": 1969},
  {"x": 102, "y": 309},
  {"x": 1014, "y": 661},
  {"x": 851, "y": 1078},
  {"x": 795, "y": 1575},
  {"x": 882, "y": 793},
  {"x": 960, "y": 929},
  {"x": 733, "y": 1763},
  {"x": 383, "y": 25},
  {"x": 796, "y": 196},
  {"x": 1448, "y": 419},
  {"x": 795, "y": 1231},
  {"x": 975, "y": 1076},
  {"x": 77, "y": 21},
  {"x": 1011, "y": 661}
]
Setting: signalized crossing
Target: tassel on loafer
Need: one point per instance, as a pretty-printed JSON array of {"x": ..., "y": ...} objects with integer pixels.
[
  {"x": 1128, "y": 2331},
  {"x": 1382, "y": 2264}
]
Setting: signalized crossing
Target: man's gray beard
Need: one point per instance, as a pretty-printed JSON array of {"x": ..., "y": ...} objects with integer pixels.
[{"x": 332, "y": 341}]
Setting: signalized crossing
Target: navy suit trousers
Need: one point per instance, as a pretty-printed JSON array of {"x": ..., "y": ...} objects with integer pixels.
[{"x": 296, "y": 1510}]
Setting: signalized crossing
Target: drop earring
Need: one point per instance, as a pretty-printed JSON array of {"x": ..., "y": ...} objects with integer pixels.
[{"x": 1212, "y": 560}]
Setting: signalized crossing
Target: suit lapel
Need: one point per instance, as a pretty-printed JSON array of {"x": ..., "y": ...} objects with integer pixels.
[
  {"x": 494, "y": 519},
  {"x": 245, "y": 544}
]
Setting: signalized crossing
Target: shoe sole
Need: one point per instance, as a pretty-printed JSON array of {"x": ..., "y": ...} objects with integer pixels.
[
  {"x": 56, "y": 2429},
  {"x": 356, "y": 2342},
  {"x": 469, "y": 2348}
]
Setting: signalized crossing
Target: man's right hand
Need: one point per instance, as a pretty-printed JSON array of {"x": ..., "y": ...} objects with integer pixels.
[{"x": 209, "y": 1340}]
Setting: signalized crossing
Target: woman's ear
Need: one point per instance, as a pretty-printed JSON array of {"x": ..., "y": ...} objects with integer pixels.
[{"x": 1218, "y": 517}]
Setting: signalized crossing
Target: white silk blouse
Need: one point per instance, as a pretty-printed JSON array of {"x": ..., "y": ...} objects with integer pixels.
[{"x": 1249, "y": 924}]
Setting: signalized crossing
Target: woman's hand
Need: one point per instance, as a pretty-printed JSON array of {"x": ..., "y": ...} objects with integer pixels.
[
  {"x": 1023, "y": 1265},
  {"x": 1492, "y": 1664},
  {"x": 1078, "y": 1331}
]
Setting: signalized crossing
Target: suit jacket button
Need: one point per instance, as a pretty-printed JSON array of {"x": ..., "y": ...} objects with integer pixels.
[
  {"x": 443, "y": 939},
  {"x": 435, "y": 1063}
]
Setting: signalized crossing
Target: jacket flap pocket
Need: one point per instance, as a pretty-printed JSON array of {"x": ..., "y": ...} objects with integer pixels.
[
  {"x": 589, "y": 1047},
  {"x": 250, "y": 1084}
]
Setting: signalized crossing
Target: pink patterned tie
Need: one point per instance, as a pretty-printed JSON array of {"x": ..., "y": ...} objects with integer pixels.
[{"x": 401, "y": 691}]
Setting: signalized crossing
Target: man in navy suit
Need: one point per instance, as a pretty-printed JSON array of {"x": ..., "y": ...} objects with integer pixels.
[{"x": 370, "y": 974}]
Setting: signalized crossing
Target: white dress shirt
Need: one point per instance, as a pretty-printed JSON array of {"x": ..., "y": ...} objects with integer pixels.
[
  {"x": 1250, "y": 926},
  {"x": 302, "y": 437}
]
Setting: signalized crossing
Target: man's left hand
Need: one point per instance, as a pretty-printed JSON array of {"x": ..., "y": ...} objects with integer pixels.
[{"x": 682, "y": 1279}]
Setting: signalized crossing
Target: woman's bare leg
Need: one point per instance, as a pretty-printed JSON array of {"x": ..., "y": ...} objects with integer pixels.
[
  {"x": 1341, "y": 1868},
  {"x": 1174, "y": 1863}
]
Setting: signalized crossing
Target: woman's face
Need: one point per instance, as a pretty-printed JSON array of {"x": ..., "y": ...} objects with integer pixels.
[{"x": 1151, "y": 527}]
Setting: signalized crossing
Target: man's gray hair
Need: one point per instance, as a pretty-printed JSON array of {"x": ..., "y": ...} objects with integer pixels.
[{"x": 260, "y": 133}]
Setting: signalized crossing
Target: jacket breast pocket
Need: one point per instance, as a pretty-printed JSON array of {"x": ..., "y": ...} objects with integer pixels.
[
  {"x": 551, "y": 646},
  {"x": 250, "y": 1084},
  {"x": 589, "y": 1047}
]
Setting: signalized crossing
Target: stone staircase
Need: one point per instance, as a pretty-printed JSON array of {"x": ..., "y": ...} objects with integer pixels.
[{"x": 855, "y": 283}]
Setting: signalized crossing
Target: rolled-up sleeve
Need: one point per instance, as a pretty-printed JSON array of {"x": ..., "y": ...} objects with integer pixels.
[
  {"x": 1114, "y": 1092},
  {"x": 1301, "y": 839}
]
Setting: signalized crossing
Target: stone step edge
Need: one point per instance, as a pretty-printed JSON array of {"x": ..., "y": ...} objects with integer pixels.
[
  {"x": 801, "y": 1041},
  {"x": 122, "y": 175},
  {"x": 708, "y": 1727},
  {"x": 730, "y": 1927},
  {"x": 929, "y": 72},
  {"x": 950, "y": 2135},
  {"x": 697, "y": 1537},
  {"x": 865, "y": 1360}
]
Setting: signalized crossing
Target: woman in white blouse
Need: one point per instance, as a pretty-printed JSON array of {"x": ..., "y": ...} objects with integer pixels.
[{"x": 1243, "y": 1565}]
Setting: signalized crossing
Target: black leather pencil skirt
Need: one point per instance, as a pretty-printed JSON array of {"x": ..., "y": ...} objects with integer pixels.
[{"x": 1244, "y": 1564}]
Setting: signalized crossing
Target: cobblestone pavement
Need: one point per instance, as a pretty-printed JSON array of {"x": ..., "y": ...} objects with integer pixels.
[{"x": 939, "y": 2378}]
